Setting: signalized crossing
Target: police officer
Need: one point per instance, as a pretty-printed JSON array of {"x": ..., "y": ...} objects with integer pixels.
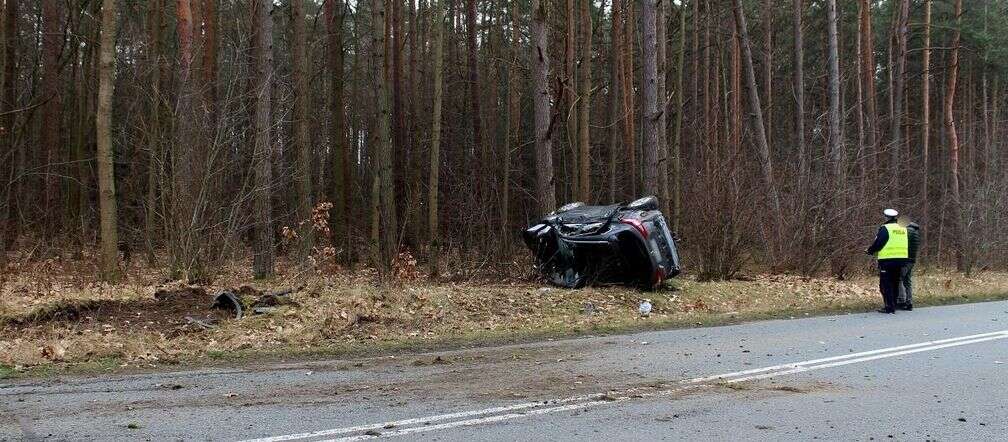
[
  {"x": 905, "y": 301},
  {"x": 892, "y": 249}
]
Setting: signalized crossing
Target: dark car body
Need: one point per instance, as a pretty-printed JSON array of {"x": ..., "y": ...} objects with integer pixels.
[{"x": 580, "y": 245}]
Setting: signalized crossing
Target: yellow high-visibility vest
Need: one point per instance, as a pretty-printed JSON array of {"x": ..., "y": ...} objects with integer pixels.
[{"x": 898, "y": 245}]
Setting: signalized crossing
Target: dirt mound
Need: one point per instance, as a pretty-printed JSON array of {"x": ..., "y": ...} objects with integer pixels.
[{"x": 167, "y": 311}]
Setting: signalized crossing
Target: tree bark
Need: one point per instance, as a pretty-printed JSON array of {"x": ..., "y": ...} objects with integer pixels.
[
  {"x": 339, "y": 148},
  {"x": 868, "y": 79},
  {"x": 835, "y": 130},
  {"x": 756, "y": 113},
  {"x": 474, "y": 95},
  {"x": 768, "y": 65},
  {"x": 386, "y": 178},
  {"x": 182, "y": 231},
  {"x": 302, "y": 101},
  {"x": 51, "y": 132},
  {"x": 925, "y": 113},
  {"x": 155, "y": 158},
  {"x": 263, "y": 253},
  {"x": 953, "y": 141},
  {"x": 545, "y": 190},
  {"x": 661, "y": 24},
  {"x": 210, "y": 62},
  {"x": 896, "y": 120},
  {"x": 513, "y": 121},
  {"x": 12, "y": 155},
  {"x": 571, "y": 182},
  {"x": 650, "y": 56},
  {"x": 584, "y": 108},
  {"x": 799, "y": 94},
  {"x": 677, "y": 152},
  {"x": 615, "y": 100},
  {"x": 103, "y": 123},
  {"x": 630, "y": 95},
  {"x": 437, "y": 21}
]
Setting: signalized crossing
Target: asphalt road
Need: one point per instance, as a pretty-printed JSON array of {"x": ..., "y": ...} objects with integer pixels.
[{"x": 932, "y": 374}]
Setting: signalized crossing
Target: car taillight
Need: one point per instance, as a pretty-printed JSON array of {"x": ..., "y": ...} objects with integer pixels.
[
  {"x": 636, "y": 224},
  {"x": 659, "y": 275}
]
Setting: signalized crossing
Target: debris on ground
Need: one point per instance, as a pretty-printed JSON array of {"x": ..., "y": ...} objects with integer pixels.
[
  {"x": 68, "y": 317},
  {"x": 228, "y": 301}
]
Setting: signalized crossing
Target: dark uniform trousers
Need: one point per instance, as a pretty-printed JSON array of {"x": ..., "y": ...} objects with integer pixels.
[
  {"x": 906, "y": 285},
  {"x": 890, "y": 276}
]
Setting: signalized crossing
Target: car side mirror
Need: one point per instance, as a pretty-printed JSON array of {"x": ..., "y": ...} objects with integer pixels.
[{"x": 646, "y": 203}]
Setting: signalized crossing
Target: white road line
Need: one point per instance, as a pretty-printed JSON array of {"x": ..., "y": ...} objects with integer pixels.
[
  {"x": 421, "y": 420},
  {"x": 497, "y": 414},
  {"x": 840, "y": 357}
]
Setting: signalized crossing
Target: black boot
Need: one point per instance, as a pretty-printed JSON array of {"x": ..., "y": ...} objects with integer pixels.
[{"x": 886, "y": 310}]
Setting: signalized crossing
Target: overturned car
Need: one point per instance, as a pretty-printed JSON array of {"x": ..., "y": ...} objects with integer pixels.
[{"x": 579, "y": 245}]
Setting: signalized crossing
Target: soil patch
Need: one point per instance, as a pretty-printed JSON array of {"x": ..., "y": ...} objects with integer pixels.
[{"x": 166, "y": 312}]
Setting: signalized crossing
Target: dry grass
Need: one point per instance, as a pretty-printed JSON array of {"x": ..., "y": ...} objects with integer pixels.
[{"x": 53, "y": 314}]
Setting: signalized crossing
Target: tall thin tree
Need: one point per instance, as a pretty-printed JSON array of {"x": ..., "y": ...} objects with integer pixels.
[
  {"x": 925, "y": 113},
  {"x": 103, "y": 122},
  {"x": 837, "y": 157},
  {"x": 953, "y": 141},
  {"x": 799, "y": 93},
  {"x": 584, "y": 108},
  {"x": 52, "y": 93},
  {"x": 339, "y": 148},
  {"x": 264, "y": 251},
  {"x": 302, "y": 101},
  {"x": 437, "y": 21},
  {"x": 543, "y": 122},
  {"x": 756, "y": 114},
  {"x": 649, "y": 50},
  {"x": 385, "y": 175}
]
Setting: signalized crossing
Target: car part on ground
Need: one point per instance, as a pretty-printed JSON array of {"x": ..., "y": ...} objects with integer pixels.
[{"x": 579, "y": 245}]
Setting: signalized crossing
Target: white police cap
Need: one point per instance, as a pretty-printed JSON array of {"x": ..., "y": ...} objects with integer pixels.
[{"x": 891, "y": 213}]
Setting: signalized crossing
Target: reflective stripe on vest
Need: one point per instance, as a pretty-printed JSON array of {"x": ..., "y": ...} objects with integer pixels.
[{"x": 898, "y": 245}]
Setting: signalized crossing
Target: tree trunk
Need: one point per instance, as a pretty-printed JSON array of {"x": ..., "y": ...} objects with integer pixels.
[
  {"x": 51, "y": 92},
  {"x": 8, "y": 228},
  {"x": 155, "y": 158},
  {"x": 650, "y": 56},
  {"x": 263, "y": 253},
  {"x": 953, "y": 141},
  {"x": 756, "y": 113},
  {"x": 302, "y": 101},
  {"x": 799, "y": 95},
  {"x": 183, "y": 211},
  {"x": 768, "y": 65},
  {"x": 387, "y": 223},
  {"x": 859, "y": 118},
  {"x": 899, "y": 76},
  {"x": 545, "y": 190},
  {"x": 868, "y": 79},
  {"x": 571, "y": 182},
  {"x": 339, "y": 149},
  {"x": 677, "y": 152},
  {"x": 615, "y": 101},
  {"x": 584, "y": 128},
  {"x": 925, "y": 114},
  {"x": 513, "y": 122},
  {"x": 437, "y": 21},
  {"x": 103, "y": 123},
  {"x": 835, "y": 130},
  {"x": 210, "y": 62},
  {"x": 475, "y": 89},
  {"x": 630, "y": 95},
  {"x": 661, "y": 24}
]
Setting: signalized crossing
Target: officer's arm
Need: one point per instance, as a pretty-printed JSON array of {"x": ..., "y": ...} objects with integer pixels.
[{"x": 880, "y": 240}]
